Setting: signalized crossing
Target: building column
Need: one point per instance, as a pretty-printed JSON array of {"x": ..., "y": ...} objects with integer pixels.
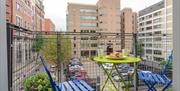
[
  {"x": 176, "y": 45},
  {"x": 3, "y": 48}
]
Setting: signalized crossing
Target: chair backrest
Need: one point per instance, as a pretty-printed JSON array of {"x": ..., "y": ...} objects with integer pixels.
[
  {"x": 53, "y": 84},
  {"x": 166, "y": 66}
]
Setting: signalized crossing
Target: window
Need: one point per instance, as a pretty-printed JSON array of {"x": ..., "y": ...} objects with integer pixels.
[
  {"x": 88, "y": 25},
  {"x": 84, "y": 38},
  {"x": 74, "y": 38},
  {"x": 92, "y": 31},
  {"x": 157, "y": 13},
  {"x": 85, "y": 45},
  {"x": 149, "y": 39},
  {"x": 157, "y": 26},
  {"x": 158, "y": 39},
  {"x": 149, "y": 45},
  {"x": 158, "y": 59},
  {"x": 157, "y": 45},
  {"x": 88, "y": 10},
  {"x": 149, "y": 16},
  {"x": 142, "y": 18},
  {"x": 29, "y": 52},
  {"x": 74, "y": 30},
  {"x": 157, "y": 20},
  {"x": 94, "y": 45},
  {"x": 141, "y": 24},
  {"x": 18, "y": 21},
  {"x": 84, "y": 31},
  {"x": 74, "y": 52},
  {"x": 25, "y": 24},
  {"x": 74, "y": 45},
  {"x": 141, "y": 29},
  {"x": 93, "y": 38},
  {"x": 148, "y": 34},
  {"x": 26, "y": 52},
  {"x": 149, "y": 28},
  {"x": 85, "y": 53},
  {"x": 157, "y": 52},
  {"x": 19, "y": 53},
  {"x": 149, "y": 22},
  {"x": 93, "y": 53},
  {"x": 158, "y": 32},
  {"x": 88, "y": 17},
  {"x": 18, "y": 7},
  {"x": 148, "y": 51}
]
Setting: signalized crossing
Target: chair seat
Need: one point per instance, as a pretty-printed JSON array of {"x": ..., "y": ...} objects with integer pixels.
[
  {"x": 62, "y": 87},
  {"x": 151, "y": 77},
  {"x": 75, "y": 85}
]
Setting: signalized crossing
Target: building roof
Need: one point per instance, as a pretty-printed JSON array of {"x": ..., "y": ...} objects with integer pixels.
[{"x": 152, "y": 8}]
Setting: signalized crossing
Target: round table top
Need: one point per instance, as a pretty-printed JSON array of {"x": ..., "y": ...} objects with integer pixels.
[{"x": 125, "y": 60}]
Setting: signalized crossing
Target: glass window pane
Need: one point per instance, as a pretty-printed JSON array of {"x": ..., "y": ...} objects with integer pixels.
[
  {"x": 88, "y": 24},
  {"x": 88, "y": 11}
]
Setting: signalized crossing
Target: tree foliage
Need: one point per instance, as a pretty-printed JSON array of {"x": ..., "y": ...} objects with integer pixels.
[
  {"x": 38, "y": 43},
  {"x": 139, "y": 49},
  {"x": 163, "y": 62},
  {"x": 51, "y": 49}
]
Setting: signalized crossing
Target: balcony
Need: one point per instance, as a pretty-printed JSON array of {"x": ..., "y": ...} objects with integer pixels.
[{"x": 25, "y": 59}]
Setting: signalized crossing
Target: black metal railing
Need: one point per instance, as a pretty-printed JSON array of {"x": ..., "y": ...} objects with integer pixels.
[{"x": 23, "y": 54}]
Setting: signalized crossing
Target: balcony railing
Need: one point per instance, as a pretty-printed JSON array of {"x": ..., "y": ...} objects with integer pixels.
[{"x": 24, "y": 61}]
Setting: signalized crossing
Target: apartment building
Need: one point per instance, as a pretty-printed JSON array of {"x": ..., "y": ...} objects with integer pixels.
[
  {"x": 155, "y": 31},
  {"x": 39, "y": 15},
  {"x": 109, "y": 16},
  {"x": 128, "y": 27},
  {"x": 109, "y": 22},
  {"x": 104, "y": 17},
  {"x": 83, "y": 18},
  {"x": 49, "y": 25},
  {"x": 28, "y": 14}
]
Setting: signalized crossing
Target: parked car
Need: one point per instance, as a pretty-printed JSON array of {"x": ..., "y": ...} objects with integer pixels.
[
  {"x": 107, "y": 66},
  {"x": 75, "y": 61}
]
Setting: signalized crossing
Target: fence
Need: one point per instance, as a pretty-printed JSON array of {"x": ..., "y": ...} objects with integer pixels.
[{"x": 24, "y": 47}]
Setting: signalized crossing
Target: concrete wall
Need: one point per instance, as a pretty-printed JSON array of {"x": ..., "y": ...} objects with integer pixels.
[
  {"x": 176, "y": 37},
  {"x": 3, "y": 48}
]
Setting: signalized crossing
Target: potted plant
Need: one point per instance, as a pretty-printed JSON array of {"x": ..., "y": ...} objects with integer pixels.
[{"x": 37, "y": 82}]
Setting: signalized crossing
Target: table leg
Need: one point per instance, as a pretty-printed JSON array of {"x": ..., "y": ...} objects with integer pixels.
[
  {"x": 131, "y": 77},
  {"x": 109, "y": 77},
  {"x": 134, "y": 75},
  {"x": 121, "y": 78}
]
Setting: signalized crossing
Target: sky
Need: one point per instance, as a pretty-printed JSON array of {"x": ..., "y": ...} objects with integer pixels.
[{"x": 56, "y": 9}]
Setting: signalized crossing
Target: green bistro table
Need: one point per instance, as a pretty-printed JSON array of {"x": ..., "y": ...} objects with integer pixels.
[{"x": 115, "y": 62}]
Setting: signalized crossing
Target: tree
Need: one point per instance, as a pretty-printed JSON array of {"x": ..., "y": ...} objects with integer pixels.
[
  {"x": 163, "y": 63},
  {"x": 51, "y": 49},
  {"x": 38, "y": 43},
  {"x": 139, "y": 49}
]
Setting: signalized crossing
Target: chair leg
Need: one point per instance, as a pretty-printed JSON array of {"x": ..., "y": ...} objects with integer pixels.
[
  {"x": 152, "y": 86},
  {"x": 167, "y": 85},
  {"x": 148, "y": 85}
]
